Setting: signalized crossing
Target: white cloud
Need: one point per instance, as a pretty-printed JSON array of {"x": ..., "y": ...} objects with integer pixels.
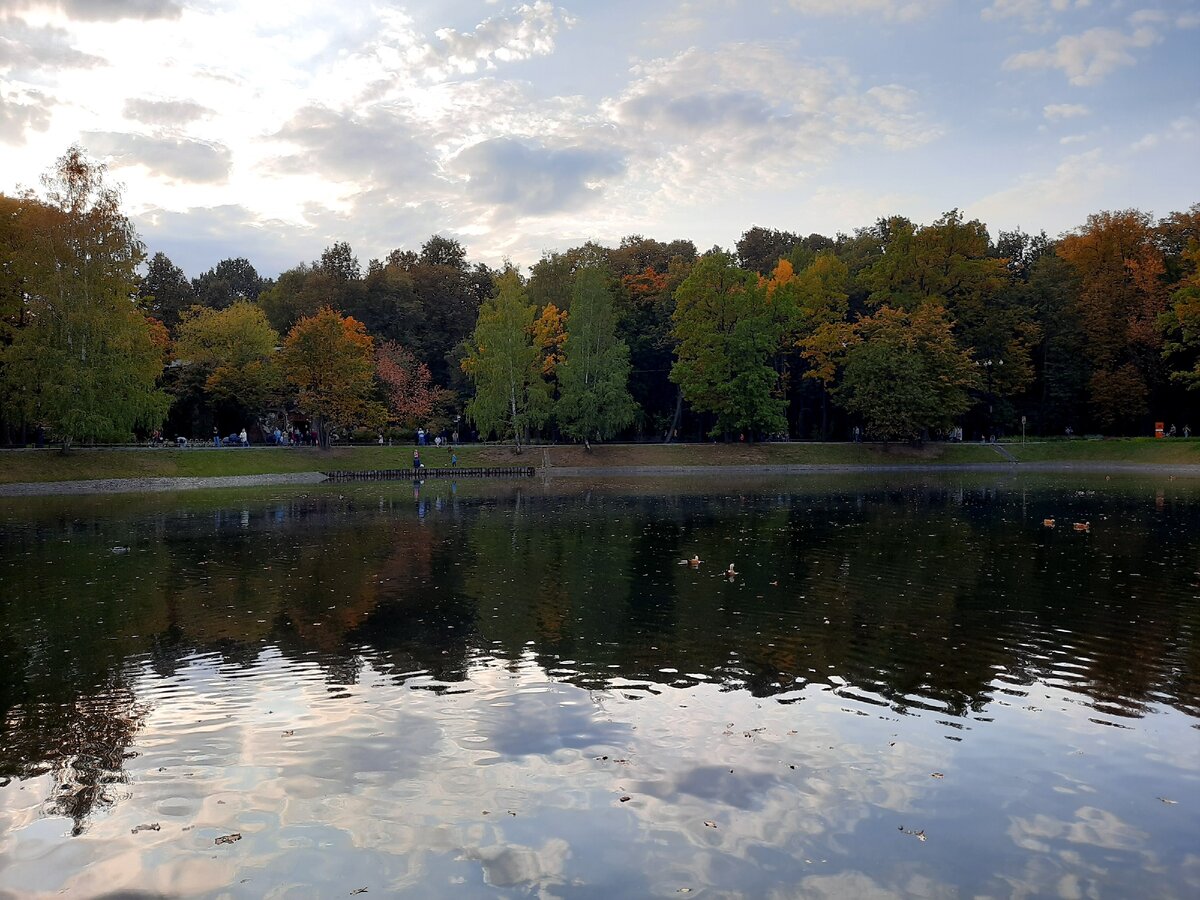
[
  {"x": 1088, "y": 57},
  {"x": 1057, "y": 111},
  {"x": 756, "y": 111},
  {"x": 897, "y": 10},
  {"x": 1078, "y": 182},
  {"x": 1184, "y": 128},
  {"x": 530, "y": 31},
  {"x": 1037, "y": 15}
]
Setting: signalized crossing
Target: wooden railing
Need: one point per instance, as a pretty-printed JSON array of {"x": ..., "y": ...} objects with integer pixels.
[{"x": 422, "y": 473}]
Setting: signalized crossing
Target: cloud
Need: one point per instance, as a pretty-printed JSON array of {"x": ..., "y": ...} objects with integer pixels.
[
  {"x": 101, "y": 10},
  {"x": 182, "y": 159},
  {"x": 530, "y": 178},
  {"x": 20, "y": 112},
  {"x": 25, "y": 48},
  {"x": 1183, "y": 129},
  {"x": 1057, "y": 111},
  {"x": 196, "y": 238},
  {"x": 164, "y": 112},
  {"x": 895, "y": 10},
  {"x": 1078, "y": 182},
  {"x": 375, "y": 147},
  {"x": 1088, "y": 57},
  {"x": 529, "y": 31},
  {"x": 758, "y": 111},
  {"x": 1037, "y": 15}
]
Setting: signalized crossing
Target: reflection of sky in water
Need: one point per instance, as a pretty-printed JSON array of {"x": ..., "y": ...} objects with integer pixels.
[
  {"x": 455, "y": 699},
  {"x": 516, "y": 785}
]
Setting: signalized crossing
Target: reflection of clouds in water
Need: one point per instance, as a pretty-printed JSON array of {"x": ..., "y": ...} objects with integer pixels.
[
  {"x": 513, "y": 865},
  {"x": 1092, "y": 826},
  {"x": 539, "y": 719},
  {"x": 1130, "y": 863}
]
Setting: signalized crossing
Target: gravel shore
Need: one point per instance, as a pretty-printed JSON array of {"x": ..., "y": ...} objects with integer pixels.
[{"x": 153, "y": 485}]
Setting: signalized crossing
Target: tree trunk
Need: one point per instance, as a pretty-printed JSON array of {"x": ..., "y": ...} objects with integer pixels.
[{"x": 674, "y": 427}]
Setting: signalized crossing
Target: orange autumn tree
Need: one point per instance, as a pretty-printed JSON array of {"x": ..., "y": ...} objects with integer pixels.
[
  {"x": 408, "y": 386},
  {"x": 549, "y": 333},
  {"x": 329, "y": 360},
  {"x": 1120, "y": 300}
]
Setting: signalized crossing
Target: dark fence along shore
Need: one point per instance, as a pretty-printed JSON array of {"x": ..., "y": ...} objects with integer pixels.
[{"x": 442, "y": 472}]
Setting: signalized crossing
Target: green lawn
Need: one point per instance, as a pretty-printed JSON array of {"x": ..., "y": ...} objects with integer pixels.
[
  {"x": 50, "y": 465},
  {"x": 1168, "y": 451}
]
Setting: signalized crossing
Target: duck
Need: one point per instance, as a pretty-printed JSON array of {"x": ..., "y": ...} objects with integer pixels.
[
  {"x": 1083, "y": 526},
  {"x": 695, "y": 561},
  {"x": 730, "y": 571},
  {"x": 1049, "y": 523}
]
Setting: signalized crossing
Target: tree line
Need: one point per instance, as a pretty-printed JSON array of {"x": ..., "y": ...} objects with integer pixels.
[{"x": 898, "y": 331}]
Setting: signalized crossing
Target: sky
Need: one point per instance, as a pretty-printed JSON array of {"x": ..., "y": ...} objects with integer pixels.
[{"x": 270, "y": 130}]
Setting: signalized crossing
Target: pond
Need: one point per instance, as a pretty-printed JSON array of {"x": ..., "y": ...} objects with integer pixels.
[{"x": 911, "y": 687}]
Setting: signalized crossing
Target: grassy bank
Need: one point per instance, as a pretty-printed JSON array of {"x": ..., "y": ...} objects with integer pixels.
[
  {"x": 1166, "y": 451},
  {"x": 50, "y": 465}
]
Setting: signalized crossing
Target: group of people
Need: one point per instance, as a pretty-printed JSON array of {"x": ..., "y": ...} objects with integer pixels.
[
  {"x": 423, "y": 438},
  {"x": 240, "y": 439}
]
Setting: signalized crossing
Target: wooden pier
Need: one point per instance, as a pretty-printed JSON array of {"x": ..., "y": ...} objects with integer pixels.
[{"x": 423, "y": 473}]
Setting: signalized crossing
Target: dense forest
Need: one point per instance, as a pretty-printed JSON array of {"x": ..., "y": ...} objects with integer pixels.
[{"x": 899, "y": 331}]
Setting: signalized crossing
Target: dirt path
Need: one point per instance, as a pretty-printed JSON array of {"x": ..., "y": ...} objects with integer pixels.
[{"x": 152, "y": 485}]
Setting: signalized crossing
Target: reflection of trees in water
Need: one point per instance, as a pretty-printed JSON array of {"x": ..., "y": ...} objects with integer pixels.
[
  {"x": 82, "y": 744},
  {"x": 913, "y": 597}
]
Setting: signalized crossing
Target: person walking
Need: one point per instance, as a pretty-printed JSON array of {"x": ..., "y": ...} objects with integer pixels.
[
  {"x": 416, "y": 461},
  {"x": 453, "y": 460},
  {"x": 216, "y": 437},
  {"x": 243, "y": 437}
]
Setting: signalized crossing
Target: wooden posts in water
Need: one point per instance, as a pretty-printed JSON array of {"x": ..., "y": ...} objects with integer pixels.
[{"x": 423, "y": 473}]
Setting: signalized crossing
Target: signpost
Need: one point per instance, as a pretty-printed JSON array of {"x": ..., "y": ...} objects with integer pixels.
[{"x": 1022, "y": 429}]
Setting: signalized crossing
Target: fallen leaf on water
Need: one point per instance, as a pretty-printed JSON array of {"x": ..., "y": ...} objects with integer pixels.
[
  {"x": 710, "y": 824},
  {"x": 626, "y": 799},
  {"x": 684, "y": 891},
  {"x": 154, "y": 826},
  {"x": 228, "y": 838},
  {"x": 289, "y": 732},
  {"x": 936, "y": 775},
  {"x": 919, "y": 835},
  {"x": 1165, "y": 800},
  {"x": 358, "y": 891}
]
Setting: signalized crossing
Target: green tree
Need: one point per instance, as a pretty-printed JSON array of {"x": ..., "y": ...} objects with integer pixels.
[
  {"x": 329, "y": 359},
  {"x": 234, "y": 347},
  {"x": 593, "y": 378},
  {"x": 165, "y": 290},
  {"x": 901, "y": 372},
  {"x": 505, "y": 366},
  {"x": 227, "y": 282},
  {"x": 951, "y": 264},
  {"x": 1181, "y": 322},
  {"x": 728, "y": 334},
  {"x": 86, "y": 364}
]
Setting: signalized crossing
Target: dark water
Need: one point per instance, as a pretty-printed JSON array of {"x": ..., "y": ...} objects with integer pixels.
[{"x": 912, "y": 688}]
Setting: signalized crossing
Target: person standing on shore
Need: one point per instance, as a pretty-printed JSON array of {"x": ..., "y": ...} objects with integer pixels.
[
  {"x": 416, "y": 460},
  {"x": 216, "y": 437}
]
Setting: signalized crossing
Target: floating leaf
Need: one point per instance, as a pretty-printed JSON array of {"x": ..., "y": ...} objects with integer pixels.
[
  {"x": 153, "y": 826},
  {"x": 228, "y": 838}
]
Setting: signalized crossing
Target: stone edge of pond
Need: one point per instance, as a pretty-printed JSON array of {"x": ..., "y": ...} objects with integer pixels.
[
  {"x": 158, "y": 485},
  {"x": 154, "y": 485},
  {"x": 854, "y": 469}
]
